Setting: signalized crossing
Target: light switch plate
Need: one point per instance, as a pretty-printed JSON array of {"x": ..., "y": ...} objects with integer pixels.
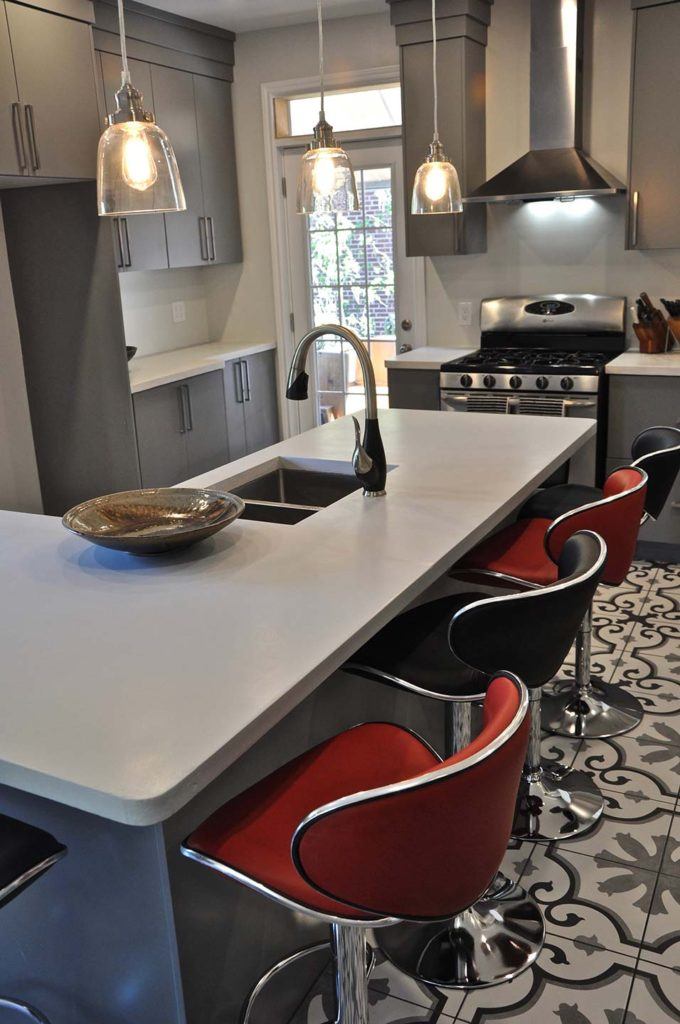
[
  {"x": 179, "y": 312},
  {"x": 465, "y": 314}
]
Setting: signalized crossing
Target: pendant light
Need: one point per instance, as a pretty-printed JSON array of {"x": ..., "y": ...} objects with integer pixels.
[
  {"x": 136, "y": 167},
  {"x": 436, "y": 188},
  {"x": 326, "y": 181}
]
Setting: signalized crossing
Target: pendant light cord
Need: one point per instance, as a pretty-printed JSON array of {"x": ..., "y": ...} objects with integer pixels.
[
  {"x": 123, "y": 45},
  {"x": 322, "y": 113},
  {"x": 434, "y": 70}
]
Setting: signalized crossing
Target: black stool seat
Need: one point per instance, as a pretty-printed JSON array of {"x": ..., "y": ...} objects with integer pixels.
[
  {"x": 25, "y": 853},
  {"x": 552, "y": 502},
  {"x": 414, "y": 650}
]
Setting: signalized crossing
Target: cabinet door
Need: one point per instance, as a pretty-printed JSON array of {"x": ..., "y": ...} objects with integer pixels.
[
  {"x": 161, "y": 436},
  {"x": 234, "y": 394},
  {"x": 53, "y": 58},
  {"x": 261, "y": 406},
  {"x": 141, "y": 244},
  {"x": 12, "y": 146},
  {"x": 655, "y": 130},
  {"x": 218, "y": 167},
  {"x": 207, "y": 435},
  {"x": 413, "y": 389},
  {"x": 173, "y": 94}
]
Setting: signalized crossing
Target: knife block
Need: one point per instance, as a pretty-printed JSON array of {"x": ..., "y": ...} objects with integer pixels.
[{"x": 653, "y": 338}]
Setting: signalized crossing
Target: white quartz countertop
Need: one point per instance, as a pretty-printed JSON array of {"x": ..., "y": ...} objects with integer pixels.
[
  {"x": 664, "y": 364},
  {"x": 428, "y": 357},
  {"x": 129, "y": 684},
  {"x": 151, "y": 371}
]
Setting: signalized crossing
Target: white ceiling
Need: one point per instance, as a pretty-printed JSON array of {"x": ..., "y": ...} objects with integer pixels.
[{"x": 246, "y": 15}]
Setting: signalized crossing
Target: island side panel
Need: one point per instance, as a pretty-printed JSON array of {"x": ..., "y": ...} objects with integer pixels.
[{"x": 92, "y": 941}]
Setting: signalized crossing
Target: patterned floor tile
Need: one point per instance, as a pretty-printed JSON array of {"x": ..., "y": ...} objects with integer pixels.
[
  {"x": 661, "y": 943},
  {"x": 641, "y": 576},
  {"x": 571, "y": 983},
  {"x": 603, "y": 664},
  {"x": 671, "y": 860},
  {"x": 630, "y": 831},
  {"x": 654, "y": 681},
  {"x": 655, "y": 996},
  {"x": 581, "y": 898},
  {"x": 641, "y": 767},
  {"x": 388, "y": 981},
  {"x": 560, "y": 749},
  {"x": 656, "y": 635},
  {"x": 667, "y": 577}
]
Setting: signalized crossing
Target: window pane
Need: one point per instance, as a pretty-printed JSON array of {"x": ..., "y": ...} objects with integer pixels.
[
  {"x": 351, "y": 252},
  {"x": 380, "y": 351},
  {"x": 353, "y": 373},
  {"x": 324, "y": 258},
  {"x": 321, "y": 221},
  {"x": 329, "y": 366},
  {"x": 355, "y": 310},
  {"x": 377, "y": 197},
  {"x": 379, "y": 256},
  {"x": 326, "y": 306},
  {"x": 383, "y": 317},
  {"x": 331, "y": 406},
  {"x": 348, "y": 110}
]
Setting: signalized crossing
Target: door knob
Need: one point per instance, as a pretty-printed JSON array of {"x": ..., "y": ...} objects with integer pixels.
[{"x": 406, "y": 325}]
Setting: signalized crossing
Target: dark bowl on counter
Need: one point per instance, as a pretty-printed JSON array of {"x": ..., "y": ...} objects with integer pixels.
[{"x": 155, "y": 520}]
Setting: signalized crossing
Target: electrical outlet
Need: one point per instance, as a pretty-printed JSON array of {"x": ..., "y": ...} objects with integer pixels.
[
  {"x": 179, "y": 312},
  {"x": 465, "y": 314}
]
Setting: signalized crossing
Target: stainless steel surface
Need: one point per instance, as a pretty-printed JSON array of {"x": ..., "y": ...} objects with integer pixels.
[
  {"x": 154, "y": 520},
  {"x": 590, "y": 313},
  {"x": 583, "y": 383},
  {"x": 292, "y": 486},
  {"x": 634, "y": 224},
  {"x": 556, "y": 167},
  {"x": 203, "y": 238},
  {"x": 28, "y": 1012},
  {"x": 459, "y": 726},
  {"x": 19, "y": 136},
  {"x": 120, "y": 258},
  {"x": 552, "y": 802},
  {"x": 588, "y": 707},
  {"x": 299, "y": 362},
  {"x": 126, "y": 241},
  {"x": 246, "y": 374},
  {"x": 351, "y": 980},
  {"x": 238, "y": 376},
  {"x": 182, "y": 412},
  {"x": 32, "y": 139},
  {"x": 211, "y": 238},
  {"x": 188, "y": 416},
  {"x": 361, "y": 460},
  {"x": 492, "y": 942}
]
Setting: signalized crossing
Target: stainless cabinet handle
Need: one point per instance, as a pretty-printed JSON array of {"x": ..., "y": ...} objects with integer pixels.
[
  {"x": 675, "y": 504},
  {"x": 578, "y": 403},
  {"x": 120, "y": 260},
  {"x": 182, "y": 414},
  {"x": 19, "y": 136},
  {"x": 126, "y": 239},
  {"x": 248, "y": 392},
  {"x": 32, "y": 140},
  {"x": 188, "y": 415},
  {"x": 238, "y": 380},
  {"x": 634, "y": 223},
  {"x": 203, "y": 236},
  {"x": 211, "y": 238}
]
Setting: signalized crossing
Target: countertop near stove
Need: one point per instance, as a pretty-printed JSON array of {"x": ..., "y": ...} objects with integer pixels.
[
  {"x": 429, "y": 357},
  {"x": 666, "y": 364}
]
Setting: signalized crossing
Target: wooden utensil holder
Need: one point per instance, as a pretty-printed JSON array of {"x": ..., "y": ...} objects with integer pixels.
[
  {"x": 674, "y": 328},
  {"x": 653, "y": 338}
]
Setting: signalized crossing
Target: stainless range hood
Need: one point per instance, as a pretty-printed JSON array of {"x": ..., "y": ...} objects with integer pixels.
[{"x": 556, "y": 166}]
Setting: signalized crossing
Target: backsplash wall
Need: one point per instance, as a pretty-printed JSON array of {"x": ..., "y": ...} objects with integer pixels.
[{"x": 147, "y": 298}]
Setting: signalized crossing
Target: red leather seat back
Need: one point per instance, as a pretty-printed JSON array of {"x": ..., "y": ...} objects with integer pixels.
[
  {"x": 428, "y": 847},
  {"x": 616, "y": 517}
]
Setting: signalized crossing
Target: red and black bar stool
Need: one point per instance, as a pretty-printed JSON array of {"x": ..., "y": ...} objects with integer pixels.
[
  {"x": 448, "y": 650},
  {"x": 371, "y": 828},
  {"x": 525, "y": 554},
  {"x": 26, "y": 853}
]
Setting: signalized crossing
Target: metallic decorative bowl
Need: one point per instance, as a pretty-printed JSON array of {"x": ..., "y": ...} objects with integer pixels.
[{"x": 153, "y": 520}]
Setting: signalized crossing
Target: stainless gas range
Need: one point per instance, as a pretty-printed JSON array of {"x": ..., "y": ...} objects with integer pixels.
[{"x": 542, "y": 356}]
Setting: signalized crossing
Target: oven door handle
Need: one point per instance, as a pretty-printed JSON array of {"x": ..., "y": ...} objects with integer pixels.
[
  {"x": 456, "y": 402},
  {"x": 578, "y": 403}
]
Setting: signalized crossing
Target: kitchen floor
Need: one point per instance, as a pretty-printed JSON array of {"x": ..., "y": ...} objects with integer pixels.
[{"x": 611, "y": 898}]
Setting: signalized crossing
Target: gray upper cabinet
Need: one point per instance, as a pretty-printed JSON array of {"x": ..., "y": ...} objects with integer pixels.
[
  {"x": 54, "y": 68},
  {"x": 175, "y": 110},
  {"x": 140, "y": 242},
  {"x": 252, "y": 407},
  {"x": 654, "y": 211},
  {"x": 218, "y": 168},
  {"x": 12, "y": 147}
]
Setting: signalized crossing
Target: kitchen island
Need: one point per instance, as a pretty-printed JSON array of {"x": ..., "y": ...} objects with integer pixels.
[{"x": 141, "y": 693}]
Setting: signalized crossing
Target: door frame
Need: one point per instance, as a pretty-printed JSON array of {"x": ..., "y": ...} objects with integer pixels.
[{"x": 274, "y": 152}]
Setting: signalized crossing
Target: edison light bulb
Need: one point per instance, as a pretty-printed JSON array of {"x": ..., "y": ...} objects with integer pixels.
[
  {"x": 435, "y": 182},
  {"x": 139, "y": 168},
  {"x": 324, "y": 175}
]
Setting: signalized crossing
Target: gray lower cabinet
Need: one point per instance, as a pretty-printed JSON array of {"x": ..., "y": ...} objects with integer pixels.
[
  {"x": 12, "y": 152},
  {"x": 252, "y": 407},
  {"x": 139, "y": 242},
  {"x": 654, "y": 211},
  {"x": 181, "y": 429},
  {"x": 58, "y": 126},
  {"x": 636, "y": 403},
  {"x": 413, "y": 389}
]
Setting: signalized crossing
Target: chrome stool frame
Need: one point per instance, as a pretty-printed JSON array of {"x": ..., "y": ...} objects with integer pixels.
[{"x": 28, "y": 1011}]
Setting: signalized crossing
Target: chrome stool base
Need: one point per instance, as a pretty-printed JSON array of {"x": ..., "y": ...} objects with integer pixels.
[
  {"x": 26, "y": 1012},
  {"x": 555, "y": 803},
  {"x": 598, "y": 712},
  {"x": 492, "y": 942}
]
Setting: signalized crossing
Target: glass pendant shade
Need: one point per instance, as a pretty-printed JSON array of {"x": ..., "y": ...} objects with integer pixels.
[
  {"x": 136, "y": 166},
  {"x": 436, "y": 188},
  {"x": 326, "y": 181}
]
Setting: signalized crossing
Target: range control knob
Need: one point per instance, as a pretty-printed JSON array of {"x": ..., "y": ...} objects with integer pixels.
[
  {"x": 515, "y": 382},
  {"x": 489, "y": 381},
  {"x": 566, "y": 383},
  {"x": 542, "y": 383},
  {"x": 466, "y": 381}
]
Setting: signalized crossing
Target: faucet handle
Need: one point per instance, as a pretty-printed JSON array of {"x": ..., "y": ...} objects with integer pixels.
[{"x": 361, "y": 460}]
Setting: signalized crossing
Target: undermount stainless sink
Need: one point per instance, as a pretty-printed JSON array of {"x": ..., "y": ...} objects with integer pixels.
[{"x": 289, "y": 494}]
